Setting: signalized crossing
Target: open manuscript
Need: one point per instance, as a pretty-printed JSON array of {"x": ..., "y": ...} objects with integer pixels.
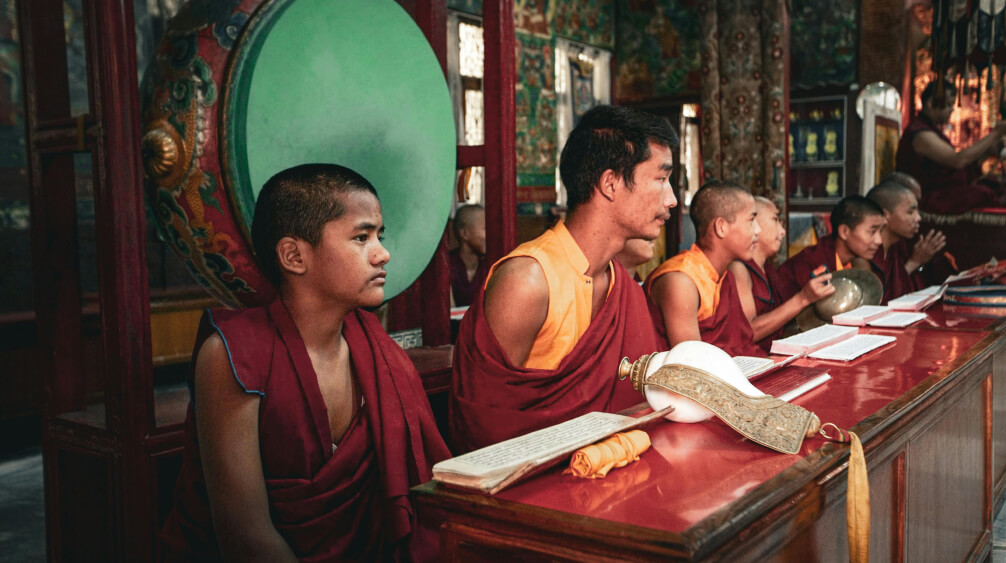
[
  {"x": 495, "y": 467},
  {"x": 878, "y": 316},
  {"x": 831, "y": 342}
]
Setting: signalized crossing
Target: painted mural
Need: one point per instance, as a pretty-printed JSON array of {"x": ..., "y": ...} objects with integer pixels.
[
  {"x": 658, "y": 49},
  {"x": 533, "y": 16},
  {"x": 536, "y": 120},
  {"x": 823, "y": 43},
  {"x": 586, "y": 21}
]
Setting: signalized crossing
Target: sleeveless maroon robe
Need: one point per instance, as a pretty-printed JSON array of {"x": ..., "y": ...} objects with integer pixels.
[
  {"x": 764, "y": 289},
  {"x": 492, "y": 400},
  {"x": 352, "y": 504},
  {"x": 727, "y": 328},
  {"x": 897, "y": 281},
  {"x": 795, "y": 272},
  {"x": 465, "y": 290},
  {"x": 945, "y": 189}
]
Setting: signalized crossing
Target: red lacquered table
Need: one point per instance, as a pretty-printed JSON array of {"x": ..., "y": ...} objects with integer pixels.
[{"x": 930, "y": 409}]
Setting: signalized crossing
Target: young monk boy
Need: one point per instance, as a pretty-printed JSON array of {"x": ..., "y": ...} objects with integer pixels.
[
  {"x": 558, "y": 314},
  {"x": 693, "y": 295},
  {"x": 308, "y": 424},
  {"x": 757, "y": 281},
  {"x": 898, "y": 258},
  {"x": 856, "y": 223},
  {"x": 634, "y": 254},
  {"x": 467, "y": 263}
]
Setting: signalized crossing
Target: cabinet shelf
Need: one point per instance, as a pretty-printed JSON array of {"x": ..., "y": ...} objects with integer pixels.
[{"x": 818, "y": 164}]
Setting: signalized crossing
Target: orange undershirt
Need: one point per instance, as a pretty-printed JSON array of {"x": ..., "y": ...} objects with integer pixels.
[
  {"x": 570, "y": 294},
  {"x": 694, "y": 263}
]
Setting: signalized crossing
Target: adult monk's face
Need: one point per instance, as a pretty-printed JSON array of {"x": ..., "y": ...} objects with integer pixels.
[
  {"x": 347, "y": 265},
  {"x": 741, "y": 235},
  {"x": 864, "y": 240},
  {"x": 904, "y": 219},
  {"x": 772, "y": 230},
  {"x": 647, "y": 201}
]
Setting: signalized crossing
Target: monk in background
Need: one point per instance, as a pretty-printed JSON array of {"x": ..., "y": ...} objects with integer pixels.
[
  {"x": 856, "y": 224},
  {"x": 693, "y": 295},
  {"x": 558, "y": 313},
  {"x": 758, "y": 285},
  {"x": 467, "y": 263},
  {"x": 898, "y": 259},
  {"x": 634, "y": 254},
  {"x": 308, "y": 424}
]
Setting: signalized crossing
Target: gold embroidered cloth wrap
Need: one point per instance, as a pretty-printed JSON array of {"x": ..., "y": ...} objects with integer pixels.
[
  {"x": 766, "y": 420},
  {"x": 618, "y": 450}
]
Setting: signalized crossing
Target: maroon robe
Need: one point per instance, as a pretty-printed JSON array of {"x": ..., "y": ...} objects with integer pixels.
[
  {"x": 492, "y": 400},
  {"x": 465, "y": 290},
  {"x": 350, "y": 504},
  {"x": 728, "y": 328},
  {"x": 764, "y": 289},
  {"x": 795, "y": 272},
  {"x": 897, "y": 281},
  {"x": 945, "y": 189}
]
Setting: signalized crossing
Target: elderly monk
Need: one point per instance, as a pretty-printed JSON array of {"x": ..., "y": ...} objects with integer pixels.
[
  {"x": 308, "y": 424},
  {"x": 558, "y": 314},
  {"x": 693, "y": 296},
  {"x": 757, "y": 281},
  {"x": 898, "y": 259},
  {"x": 856, "y": 224}
]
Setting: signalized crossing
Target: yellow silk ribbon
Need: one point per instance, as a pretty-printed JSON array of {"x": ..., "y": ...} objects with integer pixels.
[
  {"x": 618, "y": 450},
  {"x": 857, "y": 496}
]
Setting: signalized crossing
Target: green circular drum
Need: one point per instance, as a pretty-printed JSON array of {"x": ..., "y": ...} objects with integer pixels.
[{"x": 238, "y": 94}]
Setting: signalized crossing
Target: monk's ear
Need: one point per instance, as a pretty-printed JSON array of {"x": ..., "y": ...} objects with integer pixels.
[
  {"x": 720, "y": 227},
  {"x": 607, "y": 184},
  {"x": 843, "y": 232},
  {"x": 289, "y": 256}
]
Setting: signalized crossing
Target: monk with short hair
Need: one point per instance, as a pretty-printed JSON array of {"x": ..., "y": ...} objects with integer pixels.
[
  {"x": 693, "y": 295},
  {"x": 468, "y": 267},
  {"x": 558, "y": 313},
  {"x": 308, "y": 424},
  {"x": 758, "y": 285},
  {"x": 898, "y": 259},
  {"x": 856, "y": 224}
]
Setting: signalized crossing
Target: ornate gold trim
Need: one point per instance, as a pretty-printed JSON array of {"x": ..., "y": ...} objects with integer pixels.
[{"x": 766, "y": 420}]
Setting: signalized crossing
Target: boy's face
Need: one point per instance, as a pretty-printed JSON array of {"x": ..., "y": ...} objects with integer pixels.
[
  {"x": 864, "y": 240},
  {"x": 347, "y": 265},
  {"x": 904, "y": 219},
  {"x": 772, "y": 231},
  {"x": 650, "y": 196},
  {"x": 742, "y": 235}
]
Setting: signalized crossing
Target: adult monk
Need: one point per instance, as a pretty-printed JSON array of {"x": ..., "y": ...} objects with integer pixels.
[
  {"x": 899, "y": 259},
  {"x": 308, "y": 424},
  {"x": 856, "y": 224},
  {"x": 757, "y": 281},
  {"x": 948, "y": 176},
  {"x": 467, "y": 263},
  {"x": 558, "y": 314},
  {"x": 693, "y": 296}
]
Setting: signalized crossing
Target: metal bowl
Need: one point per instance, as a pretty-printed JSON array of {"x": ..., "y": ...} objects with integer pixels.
[{"x": 853, "y": 288}]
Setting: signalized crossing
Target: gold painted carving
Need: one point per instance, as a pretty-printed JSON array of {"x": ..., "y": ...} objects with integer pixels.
[{"x": 766, "y": 420}]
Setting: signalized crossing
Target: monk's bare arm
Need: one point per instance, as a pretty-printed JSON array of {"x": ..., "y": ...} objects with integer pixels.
[
  {"x": 930, "y": 145},
  {"x": 227, "y": 425},
  {"x": 814, "y": 290},
  {"x": 678, "y": 299},
  {"x": 742, "y": 277},
  {"x": 516, "y": 306}
]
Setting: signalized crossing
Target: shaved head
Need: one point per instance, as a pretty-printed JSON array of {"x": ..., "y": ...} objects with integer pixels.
[
  {"x": 717, "y": 199},
  {"x": 905, "y": 180},
  {"x": 764, "y": 201},
  {"x": 888, "y": 194}
]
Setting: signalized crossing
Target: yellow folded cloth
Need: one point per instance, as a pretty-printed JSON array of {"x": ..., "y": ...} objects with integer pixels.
[{"x": 618, "y": 450}]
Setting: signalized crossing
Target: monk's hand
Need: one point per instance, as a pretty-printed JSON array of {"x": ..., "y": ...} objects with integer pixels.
[
  {"x": 818, "y": 288},
  {"x": 927, "y": 247}
]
